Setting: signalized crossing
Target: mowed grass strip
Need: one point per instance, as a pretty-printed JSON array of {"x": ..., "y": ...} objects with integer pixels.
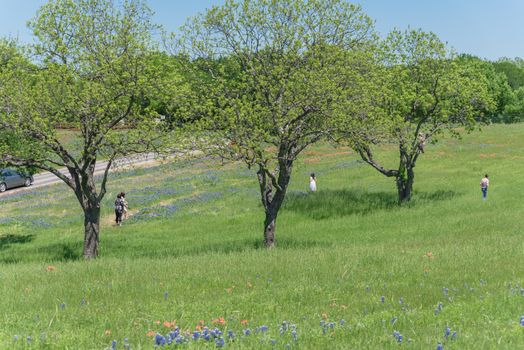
[{"x": 351, "y": 267}]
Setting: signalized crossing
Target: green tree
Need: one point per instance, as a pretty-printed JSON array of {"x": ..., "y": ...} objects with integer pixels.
[
  {"x": 91, "y": 71},
  {"x": 422, "y": 92},
  {"x": 513, "y": 69},
  {"x": 272, "y": 72}
]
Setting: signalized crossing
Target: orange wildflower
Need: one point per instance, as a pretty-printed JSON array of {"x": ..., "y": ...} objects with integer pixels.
[
  {"x": 244, "y": 322},
  {"x": 325, "y": 315},
  {"x": 50, "y": 268},
  {"x": 157, "y": 322},
  {"x": 201, "y": 322},
  {"x": 168, "y": 324},
  {"x": 220, "y": 320},
  {"x": 198, "y": 327},
  {"x": 107, "y": 332},
  {"x": 150, "y": 334}
]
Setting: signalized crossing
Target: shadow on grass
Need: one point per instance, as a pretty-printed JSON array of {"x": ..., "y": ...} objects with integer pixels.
[
  {"x": 63, "y": 251},
  {"x": 9, "y": 239},
  {"x": 338, "y": 203}
]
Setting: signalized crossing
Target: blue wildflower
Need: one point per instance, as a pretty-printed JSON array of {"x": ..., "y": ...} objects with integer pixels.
[
  {"x": 230, "y": 334},
  {"x": 439, "y": 346},
  {"x": 454, "y": 335},
  {"x": 263, "y": 329},
  {"x": 447, "y": 332},
  {"x": 342, "y": 322},
  {"x": 382, "y": 299},
  {"x": 113, "y": 345},
  {"x": 219, "y": 342},
  {"x": 522, "y": 321},
  {"x": 62, "y": 306},
  {"x": 247, "y": 332},
  {"x": 445, "y": 291},
  {"x": 294, "y": 334},
  {"x": 29, "y": 339},
  {"x": 179, "y": 339},
  {"x": 196, "y": 335},
  {"x": 331, "y": 325},
  {"x": 160, "y": 340},
  {"x": 83, "y": 302}
]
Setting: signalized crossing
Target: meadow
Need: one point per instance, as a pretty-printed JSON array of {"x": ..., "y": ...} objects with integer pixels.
[{"x": 352, "y": 269}]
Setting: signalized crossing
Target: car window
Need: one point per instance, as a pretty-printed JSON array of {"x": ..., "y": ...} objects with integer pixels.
[{"x": 7, "y": 173}]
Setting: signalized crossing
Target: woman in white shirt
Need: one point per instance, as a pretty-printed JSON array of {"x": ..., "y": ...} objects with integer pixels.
[{"x": 312, "y": 183}]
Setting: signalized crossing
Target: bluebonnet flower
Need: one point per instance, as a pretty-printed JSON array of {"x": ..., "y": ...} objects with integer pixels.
[
  {"x": 83, "y": 302},
  {"x": 401, "y": 301},
  {"x": 522, "y": 321},
  {"x": 294, "y": 334},
  {"x": 445, "y": 291},
  {"x": 113, "y": 345},
  {"x": 342, "y": 322},
  {"x": 368, "y": 289},
  {"x": 230, "y": 334},
  {"x": 454, "y": 335},
  {"x": 196, "y": 335},
  {"x": 382, "y": 299},
  {"x": 126, "y": 344},
  {"x": 247, "y": 332},
  {"x": 179, "y": 339},
  {"x": 62, "y": 306},
  {"x": 160, "y": 340},
  {"x": 219, "y": 342},
  {"x": 439, "y": 346},
  {"x": 397, "y": 336},
  {"x": 322, "y": 323},
  {"x": 447, "y": 332},
  {"x": 331, "y": 325},
  {"x": 263, "y": 329},
  {"x": 29, "y": 339}
]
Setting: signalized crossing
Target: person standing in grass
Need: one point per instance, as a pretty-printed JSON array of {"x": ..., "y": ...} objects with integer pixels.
[
  {"x": 312, "y": 183},
  {"x": 125, "y": 214},
  {"x": 119, "y": 209},
  {"x": 484, "y": 184}
]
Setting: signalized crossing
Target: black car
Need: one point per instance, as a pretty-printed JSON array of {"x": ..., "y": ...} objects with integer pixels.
[{"x": 11, "y": 178}]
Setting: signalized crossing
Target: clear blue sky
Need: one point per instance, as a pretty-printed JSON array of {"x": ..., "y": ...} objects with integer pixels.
[{"x": 486, "y": 28}]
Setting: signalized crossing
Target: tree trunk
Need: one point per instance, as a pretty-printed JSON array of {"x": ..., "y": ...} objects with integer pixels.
[
  {"x": 269, "y": 228},
  {"x": 405, "y": 182},
  {"x": 92, "y": 230}
]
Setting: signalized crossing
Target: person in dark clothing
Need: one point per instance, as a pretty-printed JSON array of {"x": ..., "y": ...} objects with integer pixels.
[{"x": 119, "y": 209}]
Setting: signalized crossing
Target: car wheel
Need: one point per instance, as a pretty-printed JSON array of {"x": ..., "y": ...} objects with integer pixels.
[
  {"x": 3, "y": 187},
  {"x": 27, "y": 182}
]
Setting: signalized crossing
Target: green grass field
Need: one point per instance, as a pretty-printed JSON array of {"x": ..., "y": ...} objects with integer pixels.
[{"x": 352, "y": 270}]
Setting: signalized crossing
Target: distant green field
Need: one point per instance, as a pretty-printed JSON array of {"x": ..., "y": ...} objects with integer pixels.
[{"x": 352, "y": 270}]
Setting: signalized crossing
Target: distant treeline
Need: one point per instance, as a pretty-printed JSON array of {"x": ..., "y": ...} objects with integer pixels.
[{"x": 507, "y": 79}]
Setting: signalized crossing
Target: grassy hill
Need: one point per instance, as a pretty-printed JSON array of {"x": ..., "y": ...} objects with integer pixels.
[{"x": 352, "y": 270}]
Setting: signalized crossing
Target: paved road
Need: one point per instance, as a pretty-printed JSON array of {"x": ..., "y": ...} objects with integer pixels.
[{"x": 47, "y": 178}]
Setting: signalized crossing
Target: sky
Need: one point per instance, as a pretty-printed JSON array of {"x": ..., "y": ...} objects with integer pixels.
[{"x": 486, "y": 28}]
